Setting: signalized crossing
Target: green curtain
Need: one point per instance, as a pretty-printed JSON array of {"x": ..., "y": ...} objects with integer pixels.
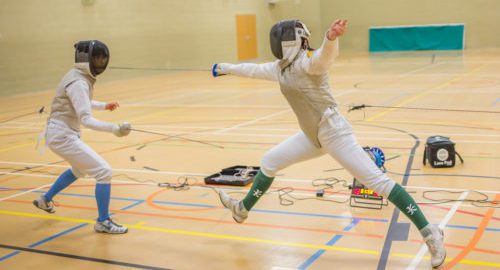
[{"x": 411, "y": 38}]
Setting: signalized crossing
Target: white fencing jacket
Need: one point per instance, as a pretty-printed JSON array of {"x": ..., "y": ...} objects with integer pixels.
[
  {"x": 304, "y": 83},
  {"x": 73, "y": 104}
]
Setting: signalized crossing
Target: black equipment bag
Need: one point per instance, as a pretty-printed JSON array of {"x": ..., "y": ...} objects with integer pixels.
[{"x": 440, "y": 152}]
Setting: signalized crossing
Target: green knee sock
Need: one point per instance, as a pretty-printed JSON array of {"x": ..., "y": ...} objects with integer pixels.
[
  {"x": 260, "y": 185},
  {"x": 400, "y": 198}
]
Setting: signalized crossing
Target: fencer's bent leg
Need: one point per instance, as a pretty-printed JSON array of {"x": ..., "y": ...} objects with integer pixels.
[
  {"x": 92, "y": 164},
  {"x": 62, "y": 182},
  {"x": 84, "y": 161}
]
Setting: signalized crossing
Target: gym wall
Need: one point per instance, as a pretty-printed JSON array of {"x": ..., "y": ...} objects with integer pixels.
[
  {"x": 481, "y": 18},
  {"x": 37, "y": 37}
]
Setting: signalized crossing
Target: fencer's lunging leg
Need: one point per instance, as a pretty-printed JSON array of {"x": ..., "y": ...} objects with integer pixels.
[{"x": 294, "y": 149}]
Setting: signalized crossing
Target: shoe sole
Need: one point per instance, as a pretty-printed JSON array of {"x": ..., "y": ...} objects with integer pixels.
[
  {"x": 437, "y": 266},
  {"x": 222, "y": 194},
  {"x": 444, "y": 258},
  {"x": 35, "y": 203},
  {"x": 99, "y": 231},
  {"x": 239, "y": 221}
]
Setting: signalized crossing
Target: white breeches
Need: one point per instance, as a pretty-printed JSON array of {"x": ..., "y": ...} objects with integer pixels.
[
  {"x": 83, "y": 159},
  {"x": 337, "y": 139}
]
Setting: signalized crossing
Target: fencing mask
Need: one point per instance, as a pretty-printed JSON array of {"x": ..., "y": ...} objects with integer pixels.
[
  {"x": 94, "y": 53},
  {"x": 286, "y": 39}
]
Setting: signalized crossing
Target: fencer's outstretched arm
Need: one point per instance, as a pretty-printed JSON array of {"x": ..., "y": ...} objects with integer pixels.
[
  {"x": 266, "y": 71},
  {"x": 322, "y": 58},
  {"x": 78, "y": 93}
]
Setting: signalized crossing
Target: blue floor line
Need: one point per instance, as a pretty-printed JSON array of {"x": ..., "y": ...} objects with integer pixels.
[
  {"x": 317, "y": 215},
  {"x": 332, "y": 242},
  {"x": 495, "y": 102},
  {"x": 471, "y": 228},
  {"x": 60, "y": 234},
  {"x": 215, "y": 206},
  {"x": 9, "y": 255},
  {"x": 45, "y": 240},
  {"x": 132, "y": 205},
  {"x": 265, "y": 211}
]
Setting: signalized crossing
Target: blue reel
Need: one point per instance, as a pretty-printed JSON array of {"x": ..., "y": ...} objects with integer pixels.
[{"x": 377, "y": 155}]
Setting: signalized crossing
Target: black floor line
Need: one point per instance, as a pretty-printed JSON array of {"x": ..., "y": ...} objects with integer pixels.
[{"x": 77, "y": 257}]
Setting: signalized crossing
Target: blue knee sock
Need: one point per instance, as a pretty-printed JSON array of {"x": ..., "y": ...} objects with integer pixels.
[
  {"x": 102, "y": 195},
  {"x": 64, "y": 180}
]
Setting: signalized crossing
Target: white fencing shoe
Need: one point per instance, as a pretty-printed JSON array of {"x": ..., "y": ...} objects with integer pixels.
[
  {"x": 45, "y": 205},
  {"x": 240, "y": 214},
  {"x": 108, "y": 226},
  {"x": 435, "y": 242}
]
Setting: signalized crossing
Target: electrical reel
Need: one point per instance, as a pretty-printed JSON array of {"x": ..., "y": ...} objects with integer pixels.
[{"x": 362, "y": 196}]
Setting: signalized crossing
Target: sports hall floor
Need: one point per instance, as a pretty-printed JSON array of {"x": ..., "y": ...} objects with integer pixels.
[{"x": 188, "y": 229}]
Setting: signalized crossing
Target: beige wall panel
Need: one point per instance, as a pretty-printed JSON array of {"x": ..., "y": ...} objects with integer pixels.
[{"x": 481, "y": 18}]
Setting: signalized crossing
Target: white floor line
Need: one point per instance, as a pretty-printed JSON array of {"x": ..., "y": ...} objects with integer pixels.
[
  {"x": 167, "y": 127},
  {"x": 423, "y": 249},
  {"x": 274, "y": 114},
  {"x": 250, "y": 122},
  {"x": 452, "y": 189},
  {"x": 28, "y": 174},
  {"x": 279, "y": 179},
  {"x": 430, "y": 65},
  {"x": 222, "y": 106},
  {"x": 123, "y": 181},
  {"x": 221, "y": 132},
  {"x": 24, "y": 192},
  {"x": 117, "y": 170}
]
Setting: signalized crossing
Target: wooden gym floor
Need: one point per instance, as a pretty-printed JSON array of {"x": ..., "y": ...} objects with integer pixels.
[{"x": 188, "y": 229}]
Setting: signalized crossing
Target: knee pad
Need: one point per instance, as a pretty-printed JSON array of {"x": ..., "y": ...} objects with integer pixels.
[
  {"x": 381, "y": 184},
  {"x": 268, "y": 165},
  {"x": 77, "y": 173},
  {"x": 104, "y": 175}
]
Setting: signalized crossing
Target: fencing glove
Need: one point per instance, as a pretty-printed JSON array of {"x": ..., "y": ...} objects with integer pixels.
[
  {"x": 217, "y": 70},
  {"x": 122, "y": 129}
]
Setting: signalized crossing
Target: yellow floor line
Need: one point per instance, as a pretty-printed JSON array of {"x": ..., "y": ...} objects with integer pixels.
[
  {"x": 424, "y": 93},
  {"x": 492, "y": 264},
  {"x": 410, "y": 256},
  {"x": 237, "y": 238}
]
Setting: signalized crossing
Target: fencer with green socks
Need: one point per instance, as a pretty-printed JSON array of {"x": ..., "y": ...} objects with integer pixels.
[
  {"x": 302, "y": 74},
  {"x": 71, "y": 107}
]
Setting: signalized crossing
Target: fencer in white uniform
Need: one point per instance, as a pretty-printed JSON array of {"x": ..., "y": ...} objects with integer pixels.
[
  {"x": 71, "y": 107},
  {"x": 302, "y": 74}
]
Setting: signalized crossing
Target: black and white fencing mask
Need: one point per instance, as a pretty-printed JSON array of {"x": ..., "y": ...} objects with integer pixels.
[
  {"x": 93, "y": 52},
  {"x": 286, "y": 39}
]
